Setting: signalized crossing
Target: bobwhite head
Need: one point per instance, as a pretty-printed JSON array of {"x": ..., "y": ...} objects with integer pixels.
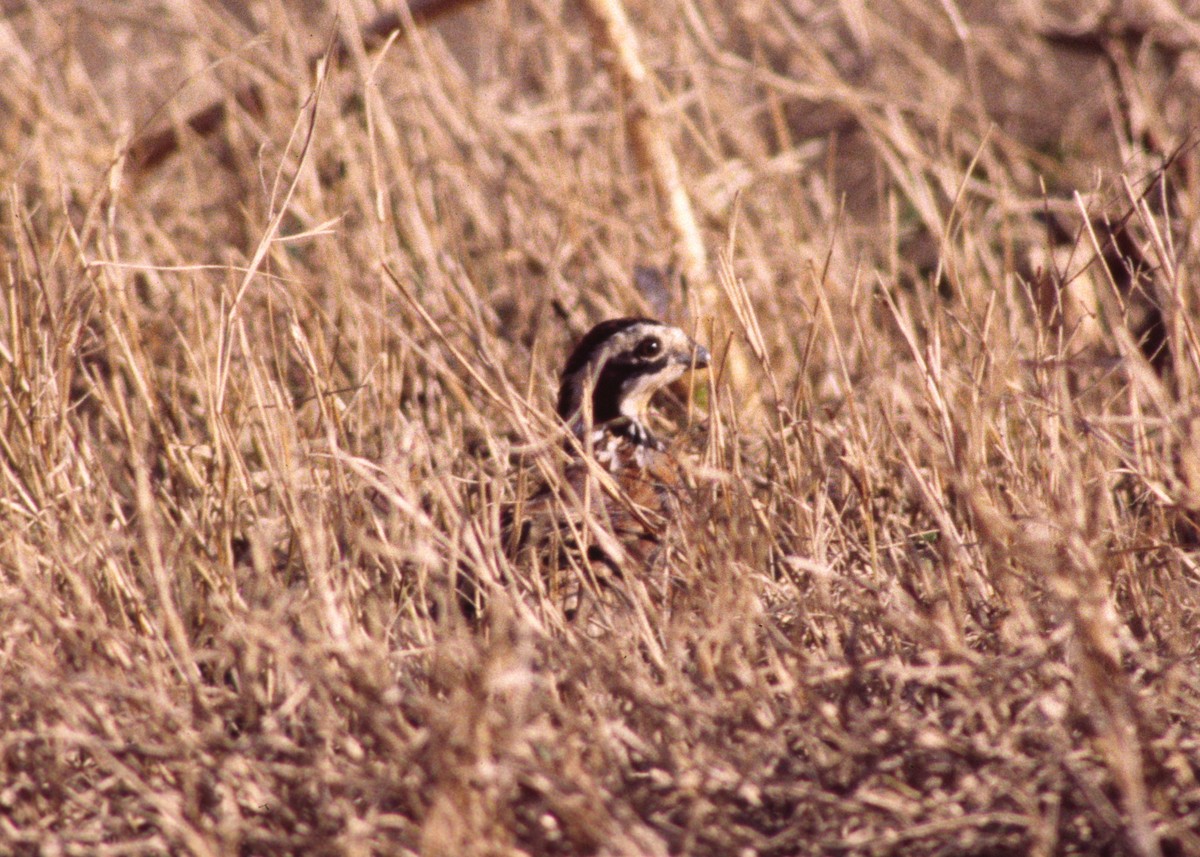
[{"x": 622, "y": 363}]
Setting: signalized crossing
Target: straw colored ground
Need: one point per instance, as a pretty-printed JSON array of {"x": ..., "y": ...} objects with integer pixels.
[{"x": 947, "y": 596}]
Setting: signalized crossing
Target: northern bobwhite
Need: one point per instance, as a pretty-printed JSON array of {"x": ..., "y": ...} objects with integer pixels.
[{"x": 624, "y": 495}]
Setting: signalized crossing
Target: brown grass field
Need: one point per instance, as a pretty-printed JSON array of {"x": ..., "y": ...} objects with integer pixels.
[{"x": 284, "y": 296}]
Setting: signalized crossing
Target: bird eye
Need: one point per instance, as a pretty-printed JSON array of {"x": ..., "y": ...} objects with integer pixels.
[{"x": 649, "y": 347}]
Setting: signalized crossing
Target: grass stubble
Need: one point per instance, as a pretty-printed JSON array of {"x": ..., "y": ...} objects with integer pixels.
[{"x": 264, "y": 397}]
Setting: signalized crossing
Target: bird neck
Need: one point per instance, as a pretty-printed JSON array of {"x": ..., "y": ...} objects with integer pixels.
[
  {"x": 633, "y": 430},
  {"x": 614, "y": 410}
]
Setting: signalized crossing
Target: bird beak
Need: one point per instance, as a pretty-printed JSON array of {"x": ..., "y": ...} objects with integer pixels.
[{"x": 699, "y": 358}]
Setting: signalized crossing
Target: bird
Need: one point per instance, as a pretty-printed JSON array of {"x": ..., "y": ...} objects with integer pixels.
[{"x": 624, "y": 491}]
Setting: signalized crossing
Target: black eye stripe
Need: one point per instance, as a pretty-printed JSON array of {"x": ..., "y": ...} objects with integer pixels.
[
  {"x": 616, "y": 381},
  {"x": 623, "y": 372},
  {"x": 631, "y": 364}
]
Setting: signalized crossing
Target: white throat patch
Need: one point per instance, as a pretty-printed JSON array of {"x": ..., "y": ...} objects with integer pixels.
[{"x": 638, "y": 392}]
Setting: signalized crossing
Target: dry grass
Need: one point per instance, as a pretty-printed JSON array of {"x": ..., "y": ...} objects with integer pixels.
[{"x": 947, "y": 599}]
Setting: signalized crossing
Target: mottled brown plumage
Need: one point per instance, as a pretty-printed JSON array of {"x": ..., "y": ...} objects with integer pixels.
[{"x": 624, "y": 494}]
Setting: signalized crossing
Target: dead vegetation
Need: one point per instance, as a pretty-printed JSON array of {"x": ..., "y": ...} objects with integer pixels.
[{"x": 264, "y": 394}]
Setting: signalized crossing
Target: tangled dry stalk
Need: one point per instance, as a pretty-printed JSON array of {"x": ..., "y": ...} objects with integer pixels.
[{"x": 264, "y": 395}]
